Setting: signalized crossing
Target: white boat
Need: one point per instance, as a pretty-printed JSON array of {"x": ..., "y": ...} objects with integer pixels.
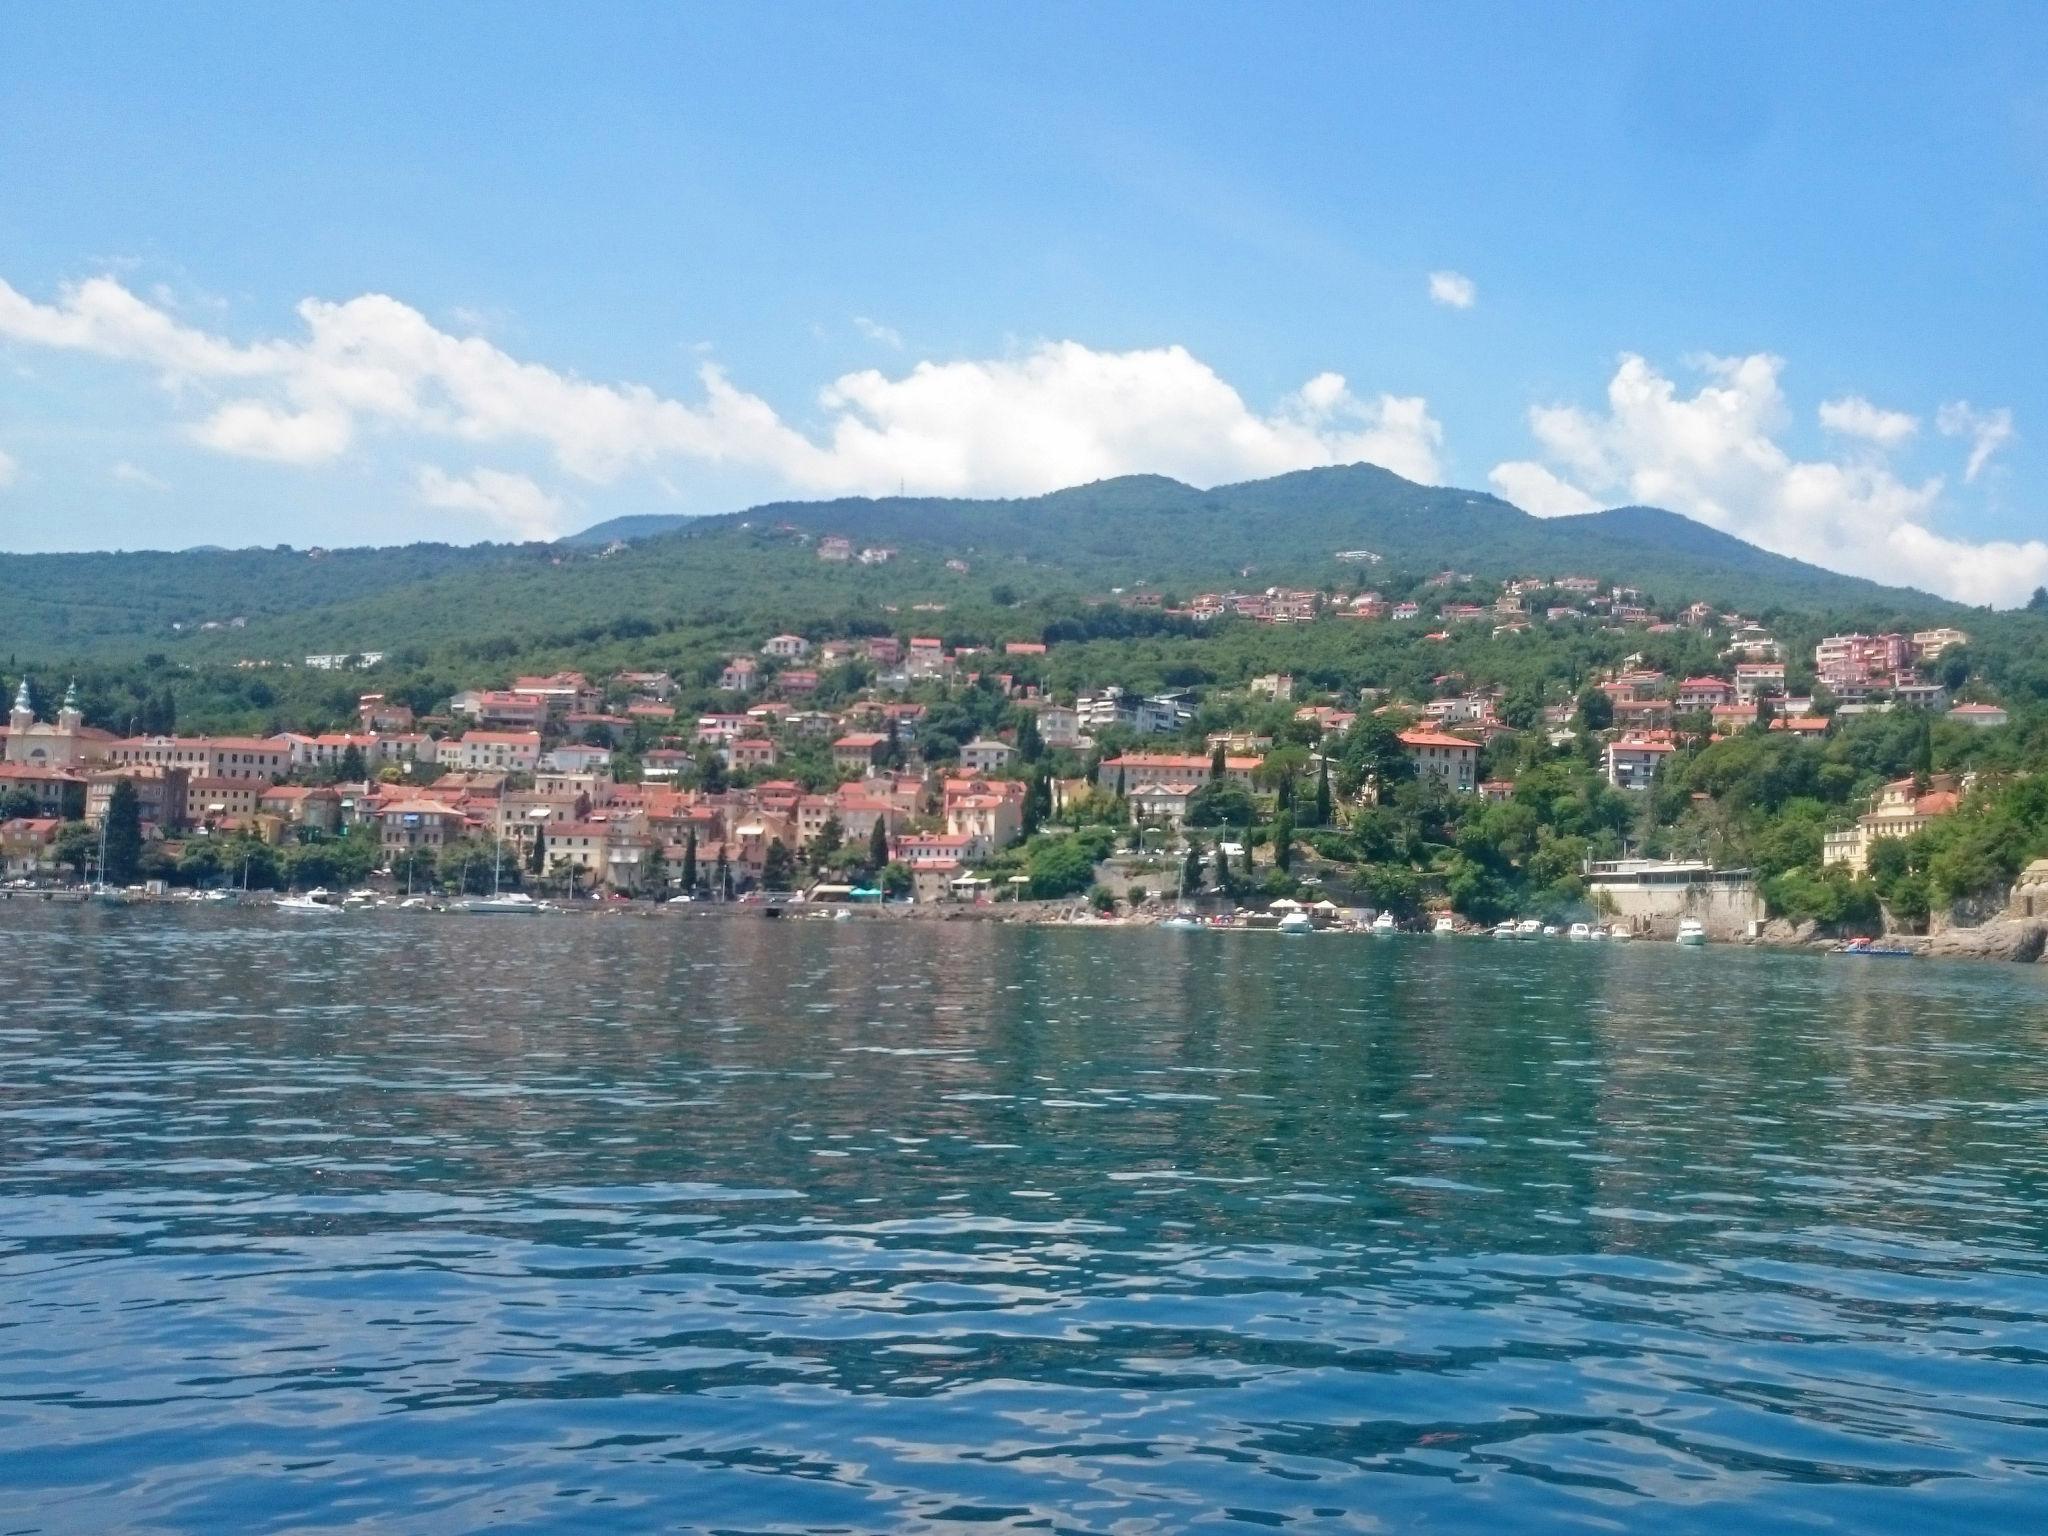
[
  {"x": 1504, "y": 930},
  {"x": 1528, "y": 928},
  {"x": 1297, "y": 922},
  {"x": 1180, "y": 920},
  {"x": 310, "y": 902},
  {"x": 1580, "y": 931},
  {"x": 502, "y": 902},
  {"x": 1619, "y": 933},
  {"x": 1385, "y": 924},
  {"x": 506, "y": 903},
  {"x": 1445, "y": 924},
  {"x": 1691, "y": 931},
  {"x": 1550, "y": 930}
]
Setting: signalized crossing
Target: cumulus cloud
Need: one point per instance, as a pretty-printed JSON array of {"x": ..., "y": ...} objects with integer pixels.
[
  {"x": 1854, "y": 416},
  {"x": 1053, "y": 415},
  {"x": 1453, "y": 290},
  {"x": 1538, "y": 491},
  {"x": 1714, "y": 455},
  {"x": 8, "y": 469},
  {"x": 125, "y": 473},
  {"x": 1988, "y": 431},
  {"x": 513, "y": 504}
]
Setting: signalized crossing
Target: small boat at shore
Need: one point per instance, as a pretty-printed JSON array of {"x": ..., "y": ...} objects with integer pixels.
[
  {"x": 1297, "y": 922},
  {"x": 1444, "y": 926},
  {"x": 1384, "y": 924},
  {"x": 1874, "y": 949},
  {"x": 1528, "y": 928},
  {"x": 506, "y": 904},
  {"x": 312, "y": 901},
  {"x": 1580, "y": 932},
  {"x": 1505, "y": 931},
  {"x": 1691, "y": 932}
]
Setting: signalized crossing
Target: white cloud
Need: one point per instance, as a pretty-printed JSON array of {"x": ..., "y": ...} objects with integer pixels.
[
  {"x": 125, "y": 473},
  {"x": 1539, "y": 492},
  {"x": 1714, "y": 455},
  {"x": 874, "y": 330},
  {"x": 1854, "y": 416},
  {"x": 1053, "y": 415},
  {"x": 512, "y": 503},
  {"x": 254, "y": 430},
  {"x": 1453, "y": 290},
  {"x": 1988, "y": 431},
  {"x": 9, "y": 470}
]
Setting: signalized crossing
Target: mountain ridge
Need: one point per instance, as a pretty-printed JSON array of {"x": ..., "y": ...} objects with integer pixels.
[{"x": 1080, "y": 540}]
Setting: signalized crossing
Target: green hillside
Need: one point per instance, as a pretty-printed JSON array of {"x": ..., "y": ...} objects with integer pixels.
[{"x": 757, "y": 566}]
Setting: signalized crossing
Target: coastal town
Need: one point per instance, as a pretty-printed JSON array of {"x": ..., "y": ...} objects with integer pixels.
[{"x": 895, "y": 767}]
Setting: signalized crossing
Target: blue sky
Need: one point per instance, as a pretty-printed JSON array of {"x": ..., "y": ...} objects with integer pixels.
[{"x": 574, "y": 262}]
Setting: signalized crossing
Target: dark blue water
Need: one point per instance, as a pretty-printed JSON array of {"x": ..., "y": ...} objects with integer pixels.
[{"x": 461, "y": 1223}]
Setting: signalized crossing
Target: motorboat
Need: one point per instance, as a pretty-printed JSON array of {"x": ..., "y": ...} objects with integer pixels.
[
  {"x": 1619, "y": 933},
  {"x": 1504, "y": 931},
  {"x": 1691, "y": 932},
  {"x": 1384, "y": 924},
  {"x": 1444, "y": 925},
  {"x": 1297, "y": 922},
  {"x": 1580, "y": 932},
  {"x": 1550, "y": 930},
  {"x": 1528, "y": 928},
  {"x": 312, "y": 901}
]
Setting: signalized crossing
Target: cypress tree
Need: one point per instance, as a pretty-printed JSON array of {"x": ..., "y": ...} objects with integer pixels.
[
  {"x": 1283, "y": 842},
  {"x": 1323, "y": 793},
  {"x": 1216, "y": 762},
  {"x": 690, "y": 861},
  {"x": 124, "y": 833},
  {"x": 878, "y": 844},
  {"x": 1191, "y": 871}
]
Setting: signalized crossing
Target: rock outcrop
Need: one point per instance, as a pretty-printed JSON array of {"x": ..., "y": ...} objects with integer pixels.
[{"x": 2007, "y": 938}]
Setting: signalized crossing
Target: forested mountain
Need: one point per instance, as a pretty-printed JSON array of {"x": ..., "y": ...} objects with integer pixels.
[
  {"x": 1290, "y": 528},
  {"x": 756, "y": 565}
]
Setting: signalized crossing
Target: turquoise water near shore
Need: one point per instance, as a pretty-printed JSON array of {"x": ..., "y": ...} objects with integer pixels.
[{"x": 459, "y": 1223}]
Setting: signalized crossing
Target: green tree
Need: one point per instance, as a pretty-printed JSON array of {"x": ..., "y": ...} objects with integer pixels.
[
  {"x": 778, "y": 869},
  {"x": 76, "y": 846},
  {"x": 878, "y": 845},
  {"x": 825, "y": 844},
  {"x": 1058, "y": 866},
  {"x": 1283, "y": 842},
  {"x": 123, "y": 834},
  {"x": 1217, "y": 763},
  {"x": 1596, "y": 710},
  {"x": 1323, "y": 790},
  {"x": 353, "y": 769},
  {"x": 1191, "y": 867},
  {"x": 690, "y": 861}
]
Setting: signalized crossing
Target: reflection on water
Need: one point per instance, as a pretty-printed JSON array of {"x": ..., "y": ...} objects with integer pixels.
[{"x": 458, "y": 1223}]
